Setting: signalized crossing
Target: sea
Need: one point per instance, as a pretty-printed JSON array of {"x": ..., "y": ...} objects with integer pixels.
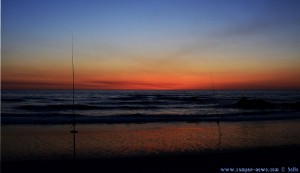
[
  {"x": 36, "y": 124},
  {"x": 130, "y": 106}
]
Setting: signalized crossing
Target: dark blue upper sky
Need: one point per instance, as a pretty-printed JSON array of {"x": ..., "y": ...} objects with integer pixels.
[{"x": 126, "y": 19}]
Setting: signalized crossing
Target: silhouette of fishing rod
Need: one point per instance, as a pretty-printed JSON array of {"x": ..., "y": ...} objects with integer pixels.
[
  {"x": 215, "y": 100},
  {"x": 74, "y": 131}
]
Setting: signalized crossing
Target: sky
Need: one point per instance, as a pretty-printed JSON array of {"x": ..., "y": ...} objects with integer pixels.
[{"x": 153, "y": 44}]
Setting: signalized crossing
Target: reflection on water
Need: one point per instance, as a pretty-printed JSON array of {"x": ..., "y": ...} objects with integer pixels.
[{"x": 23, "y": 142}]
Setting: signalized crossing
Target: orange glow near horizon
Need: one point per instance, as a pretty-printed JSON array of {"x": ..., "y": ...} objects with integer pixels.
[
  {"x": 146, "y": 73},
  {"x": 147, "y": 81},
  {"x": 166, "y": 70}
]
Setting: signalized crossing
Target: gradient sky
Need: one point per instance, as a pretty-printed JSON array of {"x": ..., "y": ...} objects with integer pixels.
[{"x": 154, "y": 44}]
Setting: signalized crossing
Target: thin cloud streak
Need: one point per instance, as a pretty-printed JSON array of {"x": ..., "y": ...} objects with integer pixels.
[{"x": 130, "y": 83}]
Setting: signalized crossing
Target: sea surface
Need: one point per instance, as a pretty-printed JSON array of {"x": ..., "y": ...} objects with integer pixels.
[{"x": 119, "y": 106}]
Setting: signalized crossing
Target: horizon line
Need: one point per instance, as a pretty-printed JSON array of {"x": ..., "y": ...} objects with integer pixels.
[{"x": 81, "y": 89}]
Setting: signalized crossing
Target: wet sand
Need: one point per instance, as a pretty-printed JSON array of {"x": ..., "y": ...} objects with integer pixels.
[{"x": 150, "y": 147}]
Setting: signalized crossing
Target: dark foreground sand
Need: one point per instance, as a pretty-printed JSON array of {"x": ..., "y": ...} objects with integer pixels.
[{"x": 281, "y": 158}]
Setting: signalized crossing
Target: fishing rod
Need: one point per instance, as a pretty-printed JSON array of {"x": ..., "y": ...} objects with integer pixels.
[
  {"x": 215, "y": 100},
  {"x": 74, "y": 131}
]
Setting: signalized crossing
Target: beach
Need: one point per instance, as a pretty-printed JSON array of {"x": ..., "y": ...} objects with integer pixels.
[{"x": 275, "y": 158}]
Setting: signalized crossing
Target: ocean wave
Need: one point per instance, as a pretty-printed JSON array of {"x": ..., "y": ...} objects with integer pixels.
[
  {"x": 62, "y": 107},
  {"x": 12, "y": 100},
  {"x": 56, "y": 107},
  {"x": 249, "y": 103},
  {"x": 146, "y": 118},
  {"x": 163, "y": 98}
]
